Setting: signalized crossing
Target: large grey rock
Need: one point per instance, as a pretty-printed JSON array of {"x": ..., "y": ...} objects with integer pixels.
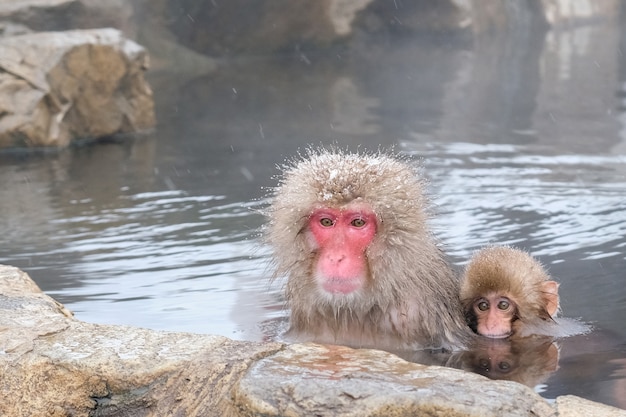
[
  {"x": 573, "y": 406},
  {"x": 56, "y": 87},
  {"x": 240, "y": 27},
  {"x": 139, "y": 20},
  {"x": 55, "y": 365},
  {"x": 38, "y": 14},
  {"x": 334, "y": 380},
  {"x": 53, "y": 15}
]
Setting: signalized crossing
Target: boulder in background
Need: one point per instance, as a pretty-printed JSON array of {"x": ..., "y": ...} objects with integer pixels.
[{"x": 57, "y": 87}]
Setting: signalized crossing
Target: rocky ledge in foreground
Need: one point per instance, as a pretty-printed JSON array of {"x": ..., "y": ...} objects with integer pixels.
[{"x": 55, "y": 365}]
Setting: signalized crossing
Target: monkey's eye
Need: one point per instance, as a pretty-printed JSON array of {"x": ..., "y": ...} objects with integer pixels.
[
  {"x": 504, "y": 366},
  {"x": 503, "y": 305},
  {"x": 483, "y": 305},
  {"x": 358, "y": 222},
  {"x": 326, "y": 222},
  {"x": 484, "y": 364}
]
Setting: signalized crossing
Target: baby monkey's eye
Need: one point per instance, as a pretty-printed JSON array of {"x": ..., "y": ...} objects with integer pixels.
[{"x": 483, "y": 305}]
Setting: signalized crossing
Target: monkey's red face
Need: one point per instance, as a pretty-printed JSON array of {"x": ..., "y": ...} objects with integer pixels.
[
  {"x": 494, "y": 316},
  {"x": 341, "y": 237}
]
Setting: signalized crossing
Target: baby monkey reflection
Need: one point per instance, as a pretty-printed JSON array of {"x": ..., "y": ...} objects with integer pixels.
[
  {"x": 529, "y": 361},
  {"x": 505, "y": 292}
]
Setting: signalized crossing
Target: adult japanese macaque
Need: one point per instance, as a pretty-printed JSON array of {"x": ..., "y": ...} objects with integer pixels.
[
  {"x": 350, "y": 233},
  {"x": 505, "y": 292}
]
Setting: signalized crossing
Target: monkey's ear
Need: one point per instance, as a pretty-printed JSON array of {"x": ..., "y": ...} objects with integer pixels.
[{"x": 550, "y": 290}]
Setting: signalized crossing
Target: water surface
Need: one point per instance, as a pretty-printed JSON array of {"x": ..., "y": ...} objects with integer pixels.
[{"x": 523, "y": 140}]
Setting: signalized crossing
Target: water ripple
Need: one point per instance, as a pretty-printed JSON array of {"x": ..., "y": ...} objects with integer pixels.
[
  {"x": 505, "y": 194},
  {"x": 175, "y": 261}
]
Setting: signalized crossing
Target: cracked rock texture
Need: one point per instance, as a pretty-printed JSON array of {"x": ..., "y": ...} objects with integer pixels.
[
  {"x": 55, "y": 365},
  {"x": 56, "y": 87}
]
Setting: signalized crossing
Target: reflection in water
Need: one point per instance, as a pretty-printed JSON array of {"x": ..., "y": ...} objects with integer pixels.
[
  {"x": 523, "y": 137},
  {"x": 529, "y": 360},
  {"x": 353, "y": 113}
]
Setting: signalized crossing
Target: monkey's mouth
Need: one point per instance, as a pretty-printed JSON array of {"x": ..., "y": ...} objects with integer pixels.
[
  {"x": 341, "y": 285},
  {"x": 497, "y": 335}
]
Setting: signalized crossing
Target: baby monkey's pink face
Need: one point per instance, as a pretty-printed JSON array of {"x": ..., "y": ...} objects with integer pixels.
[{"x": 495, "y": 314}]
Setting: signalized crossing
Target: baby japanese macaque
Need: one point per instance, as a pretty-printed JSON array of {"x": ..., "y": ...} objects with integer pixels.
[
  {"x": 505, "y": 292},
  {"x": 350, "y": 233}
]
